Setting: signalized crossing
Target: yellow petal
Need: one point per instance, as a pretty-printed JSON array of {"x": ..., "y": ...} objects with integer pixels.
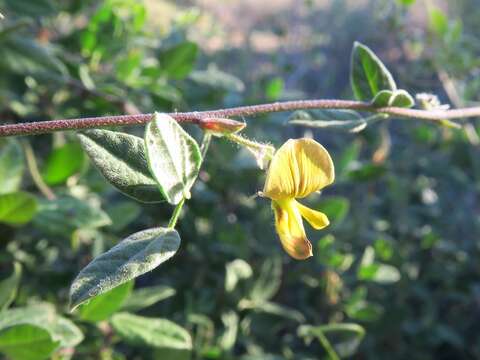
[
  {"x": 298, "y": 168},
  {"x": 289, "y": 226},
  {"x": 316, "y": 219}
]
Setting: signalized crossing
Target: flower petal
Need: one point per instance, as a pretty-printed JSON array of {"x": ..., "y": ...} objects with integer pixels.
[
  {"x": 299, "y": 168},
  {"x": 316, "y": 219},
  {"x": 289, "y": 226}
]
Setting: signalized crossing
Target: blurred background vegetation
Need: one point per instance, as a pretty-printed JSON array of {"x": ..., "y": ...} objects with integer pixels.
[{"x": 400, "y": 258}]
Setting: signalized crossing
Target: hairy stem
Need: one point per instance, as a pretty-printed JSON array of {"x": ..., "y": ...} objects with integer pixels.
[
  {"x": 196, "y": 117},
  {"x": 176, "y": 213}
]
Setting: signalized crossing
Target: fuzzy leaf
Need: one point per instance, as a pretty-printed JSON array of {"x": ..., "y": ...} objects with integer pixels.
[
  {"x": 173, "y": 157},
  {"x": 154, "y": 332},
  {"x": 121, "y": 159},
  {"x": 368, "y": 75},
  {"x": 132, "y": 257}
]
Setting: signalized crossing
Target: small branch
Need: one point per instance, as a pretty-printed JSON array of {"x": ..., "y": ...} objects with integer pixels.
[
  {"x": 35, "y": 173},
  {"x": 196, "y": 117}
]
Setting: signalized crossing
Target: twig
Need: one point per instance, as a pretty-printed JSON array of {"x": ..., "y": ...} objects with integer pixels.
[
  {"x": 197, "y": 116},
  {"x": 35, "y": 173}
]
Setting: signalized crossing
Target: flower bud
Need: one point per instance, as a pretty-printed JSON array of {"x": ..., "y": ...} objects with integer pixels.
[{"x": 221, "y": 126}]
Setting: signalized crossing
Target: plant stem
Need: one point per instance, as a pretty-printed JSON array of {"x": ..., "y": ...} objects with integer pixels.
[
  {"x": 207, "y": 139},
  {"x": 196, "y": 117},
  {"x": 326, "y": 344},
  {"x": 35, "y": 173},
  {"x": 176, "y": 213}
]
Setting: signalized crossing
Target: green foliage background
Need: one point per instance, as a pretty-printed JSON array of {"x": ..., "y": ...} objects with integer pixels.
[{"x": 400, "y": 258}]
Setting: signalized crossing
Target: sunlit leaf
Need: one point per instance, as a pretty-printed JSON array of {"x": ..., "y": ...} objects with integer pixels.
[
  {"x": 153, "y": 332},
  {"x": 368, "y": 74},
  {"x": 104, "y": 305},
  {"x": 234, "y": 271},
  {"x": 17, "y": 208},
  {"x": 62, "y": 163},
  {"x": 132, "y": 257},
  {"x": 173, "y": 157},
  {"x": 179, "y": 60},
  {"x": 345, "y": 337},
  {"x": 146, "y": 297},
  {"x": 122, "y": 160},
  {"x": 26, "y": 342}
]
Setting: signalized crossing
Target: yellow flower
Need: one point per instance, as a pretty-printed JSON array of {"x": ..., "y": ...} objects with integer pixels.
[{"x": 299, "y": 168}]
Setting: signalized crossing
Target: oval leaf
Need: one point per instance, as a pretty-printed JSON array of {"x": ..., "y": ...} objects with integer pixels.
[
  {"x": 11, "y": 165},
  {"x": 66, "y": 214},
  {"x": 104, "y": 305},
  {"x": 146, "y": 297},
  {"x": 44, "y": 316},
  {"x": 154, "y": 332},
  {"x": 122, "y": 161},
  {"x": 9, "y": 286},
  {"x": 26, "y": 342},
  {"x": 62, "y": 163},
  {"x": 368, "y": 75},
  {"x": 17, "y": 208},
  {"x": 132, "y": 257},
  {"x": 173, "y": 157}
]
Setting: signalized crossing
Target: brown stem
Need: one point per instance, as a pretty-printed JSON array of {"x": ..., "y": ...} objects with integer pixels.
[{"x": 197, "y": 116}]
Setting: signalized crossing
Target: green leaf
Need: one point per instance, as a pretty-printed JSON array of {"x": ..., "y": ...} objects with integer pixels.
[
  {"x": 368, "y": 75},
  {"x": 367, "y": 172},
  {"x": 121, "y": 159},
  {"x": 372, "y": 271},
  {"x": 123, "y": 214},
  {"x": 346, "y": 337},
  {"x": 406, "y": 2},
  {"x": 382, "y": 98},
  {"x": 274, "y": 88},
  {"x": 27, "y": 342},
  {"x": 104, "y": 305},
  {"x": 66, "y": 332},
  {"x": 17, "y": 208},
  {"x": 9, "y": 286},
  {"x": 62, "y": 163},
  {"x": 402, "y": 98},
  {"x": 348, "y": 120},
  {"x": 146, "y": 297},
  {"x": 438, "y": 21},
  {"x": 215, "y": 78},
  {"x": 153, "y": 332},
  {"x": 24, "y": 55},
  {"x": 235, "y": 271},
  {"x": 66, "y": 214},
  {"x": 44, "y": 316},
  {"x": 173, "y": 157},
  {"x": 11, "y": 165},
  {"x": 399, "y": 98},
  {"x": 272, "y": 308},
  {"x": 229, "y": 337},
  {"x": 268, "y": 281},
  {"x": 35, "y": 8},
  {"x": 132, "y": 257},
  {"x": 178, "y": 61},
  {"x": 335, "y": 207}
]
